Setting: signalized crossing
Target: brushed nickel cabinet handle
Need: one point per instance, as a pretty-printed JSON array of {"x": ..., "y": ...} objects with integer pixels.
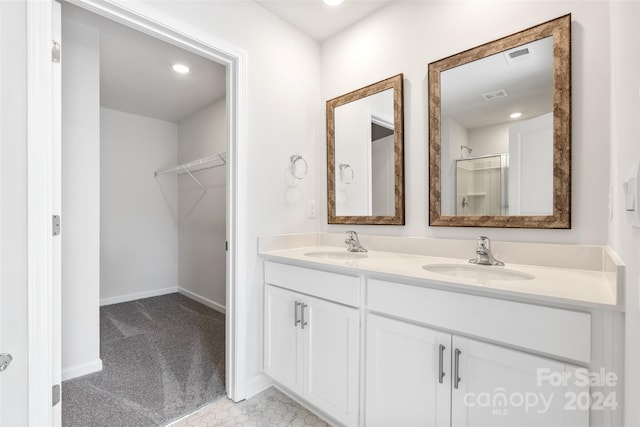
[
  {"x": 456, "y": 368},
  {"x": 296, "y": 320},
  {"x": 440, "y": 364},
  {"x": 303, "y": 323}
]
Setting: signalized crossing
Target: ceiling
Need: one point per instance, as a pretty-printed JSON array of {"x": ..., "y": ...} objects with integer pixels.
[
  {"x": 135, "y": 69},
  {"x": 318, "y": 20},
  {"x": 136, "y": 75},
  {"x": 527, "y": 83}
]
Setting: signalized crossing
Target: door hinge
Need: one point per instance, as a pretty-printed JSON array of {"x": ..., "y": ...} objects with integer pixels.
[
  {"x": 226, "y": 245},
  {"x": 55, "y": 394},
  {"x": 56, "y": 225},
  {"x": 55, "y": 51}
]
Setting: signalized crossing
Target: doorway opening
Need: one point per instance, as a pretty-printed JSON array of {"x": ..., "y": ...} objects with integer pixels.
[{"x": 166, "y": 199}]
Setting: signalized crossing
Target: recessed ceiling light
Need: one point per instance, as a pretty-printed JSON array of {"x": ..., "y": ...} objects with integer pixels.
[
  {"x": 332, "y": 2},
  {"x": 180, "y": 68},
  {"x": 515, "y": 115}
]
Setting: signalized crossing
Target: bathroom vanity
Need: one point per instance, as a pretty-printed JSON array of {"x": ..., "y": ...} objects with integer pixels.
[
  {"x": 411, "y": 333},
  {"x": 402, "y": 337}
]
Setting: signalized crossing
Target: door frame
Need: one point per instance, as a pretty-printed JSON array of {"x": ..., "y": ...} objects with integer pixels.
[{"x": 40, "y": 192}]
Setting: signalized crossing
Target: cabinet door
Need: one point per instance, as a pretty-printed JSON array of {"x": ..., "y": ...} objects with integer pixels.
[
  {"x": 503, "y": 387},
  {"x": 332, "y": 358},
  {"x": 282, "y": 337},
  {"x": 404, "y": 386}
]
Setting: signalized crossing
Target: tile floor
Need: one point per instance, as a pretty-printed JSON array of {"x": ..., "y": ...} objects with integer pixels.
[{"x": 271, "y": 408}]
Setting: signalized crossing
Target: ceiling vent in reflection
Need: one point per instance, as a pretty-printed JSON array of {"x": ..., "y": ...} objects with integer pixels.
[
  {"x": 517, "y": 55},
  {"x": 496, "y": 94}
]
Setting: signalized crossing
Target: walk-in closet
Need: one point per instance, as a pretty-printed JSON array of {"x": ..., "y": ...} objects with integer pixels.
[{"x": 144, "y": 204}]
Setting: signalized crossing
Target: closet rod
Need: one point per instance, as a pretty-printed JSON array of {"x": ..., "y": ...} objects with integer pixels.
[{"x": 207, "y": 162}]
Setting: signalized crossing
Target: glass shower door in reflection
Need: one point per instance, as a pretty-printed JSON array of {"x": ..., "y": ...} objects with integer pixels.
[{"x": 481, "y": 185}]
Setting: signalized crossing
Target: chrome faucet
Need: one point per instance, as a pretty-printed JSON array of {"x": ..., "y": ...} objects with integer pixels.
[
  {"x": 484, "y": 255},
  {"x": 354, "y": 242}
]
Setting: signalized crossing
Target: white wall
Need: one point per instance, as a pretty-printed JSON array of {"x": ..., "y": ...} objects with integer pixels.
[
  {"x": 413, "y": 34},
  {"x": 202, "y": 229},
  {"x": 453, "y": 135},
  {"x": 13, "y": 211},
  {"x": 625, "y": 149},
  {"x": 492, "y": 139},
  {"x": 139, "y": 212},
  {"x": 80, "y": 200}
]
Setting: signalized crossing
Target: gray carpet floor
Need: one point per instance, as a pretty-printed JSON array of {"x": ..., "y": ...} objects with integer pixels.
[{"x": 163, "y": 357}]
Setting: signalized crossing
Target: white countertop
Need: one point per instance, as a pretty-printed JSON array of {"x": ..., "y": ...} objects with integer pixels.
[{"x": 574, "y": 287}]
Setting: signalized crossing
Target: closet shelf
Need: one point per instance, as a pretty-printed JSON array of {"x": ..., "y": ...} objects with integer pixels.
[{"x": 208, "y": 162}]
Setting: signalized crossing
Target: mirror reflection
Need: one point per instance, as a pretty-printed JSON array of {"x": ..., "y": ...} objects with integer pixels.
[
  {"x": 500, "y": 132},
  {"x": 364, "y": 155},
  {"x": 494, "y": 109}
]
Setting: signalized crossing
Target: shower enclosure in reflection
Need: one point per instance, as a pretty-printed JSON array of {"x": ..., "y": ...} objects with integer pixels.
[{"x": 481, "y": 185}]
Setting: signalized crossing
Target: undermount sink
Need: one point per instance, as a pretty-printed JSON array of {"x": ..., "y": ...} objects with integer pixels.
[
  {"x": 336, "y": 254},
  {"x": 478, "y": 272}
]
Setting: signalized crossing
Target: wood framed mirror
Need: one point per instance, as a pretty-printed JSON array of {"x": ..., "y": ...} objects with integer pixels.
[
  {"x": 365, "y": 155},
  {"x": 500, "y": 132}
]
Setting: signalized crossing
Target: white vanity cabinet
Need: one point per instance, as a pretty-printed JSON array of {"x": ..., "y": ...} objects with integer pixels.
[
  {"x": 375, "y": 349},
  {"x": 311, "y": 344},
  {"x": 283, "y": 337},
  {"x": 499, "y": 386},
  {"x": 418, "y": 375},
  {"x": 404, "y": 382}
]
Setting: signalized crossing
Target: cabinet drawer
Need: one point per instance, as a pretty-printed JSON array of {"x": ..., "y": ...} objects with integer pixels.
[
  {"x": 553, "y": 331},
  {"x": 323, "y": 284}
]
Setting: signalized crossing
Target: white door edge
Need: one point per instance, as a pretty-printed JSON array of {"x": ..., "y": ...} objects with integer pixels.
[
  {"x": 39, "y": 211},
  {"x": 1, "y": 59},
  {"x": 56, "y": 196}
]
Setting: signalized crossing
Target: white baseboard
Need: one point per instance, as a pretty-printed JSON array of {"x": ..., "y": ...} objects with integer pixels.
[
  {"x": 257, "y": 384},
  {"x": 138, "y": 295},
  {"x": 80, "y": 370},
  {"x": 209, "y": 303}
]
